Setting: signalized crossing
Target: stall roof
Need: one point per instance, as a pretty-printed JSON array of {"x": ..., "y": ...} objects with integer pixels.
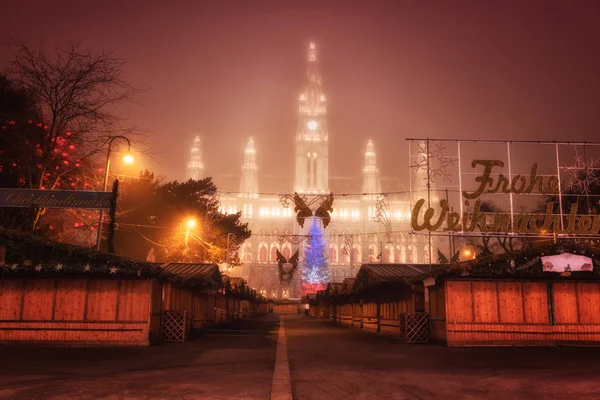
[
  {"x": 196, "y": 274},
  {"x": 377, "y": 274},
  {"x": 334, "y": 289},
  {"x": 26, "y": 255}
]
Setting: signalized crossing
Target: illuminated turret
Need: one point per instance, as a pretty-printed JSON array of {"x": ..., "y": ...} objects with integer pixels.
[
  {"x": 195, "y": 168},
  {"x": 371, "y": 180},
  {"x": 249, "y": 181}
]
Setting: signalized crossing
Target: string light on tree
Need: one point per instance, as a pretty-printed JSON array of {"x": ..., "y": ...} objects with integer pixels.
[{"x": 315, "y": 274}]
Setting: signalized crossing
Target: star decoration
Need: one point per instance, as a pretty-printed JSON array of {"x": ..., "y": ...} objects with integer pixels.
[
  {"x": 14, "y": 266},
  {"x": 38, "y": 268},
  {"x": 583, "y": 174},
  {"x": 87, "y": 268},
  {"x": 434, "y": 161},
  {"x": 58, "y": 266},
  {"x": 113, "y": 270}
]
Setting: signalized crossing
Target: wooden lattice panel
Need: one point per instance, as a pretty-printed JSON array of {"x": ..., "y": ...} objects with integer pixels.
[
  {"x": 414, "y": 328},
  {"x": 174, "y": 326}
]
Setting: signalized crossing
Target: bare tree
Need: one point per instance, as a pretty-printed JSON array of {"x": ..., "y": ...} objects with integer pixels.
[{"x": 75, "y": 93}]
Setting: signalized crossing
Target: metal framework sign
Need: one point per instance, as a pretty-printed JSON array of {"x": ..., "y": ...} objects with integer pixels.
[
  {"x": 498, "y": 187},
  {"x": 55, "y": 198}
]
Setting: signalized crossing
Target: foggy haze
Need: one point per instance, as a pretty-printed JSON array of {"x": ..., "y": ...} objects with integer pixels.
[{"x": 230, "y": 70}]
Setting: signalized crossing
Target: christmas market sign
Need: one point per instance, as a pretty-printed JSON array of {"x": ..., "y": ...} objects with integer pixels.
[
  {"x": 502, "y": 222},
  {"x": 55, "y": 198}
]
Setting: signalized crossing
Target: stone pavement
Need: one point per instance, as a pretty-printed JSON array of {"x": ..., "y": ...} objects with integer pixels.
[
  {"x": 232, "y": 363},
  {"x": 332, "y": 362},
  {"x": 325, "y": 361}
]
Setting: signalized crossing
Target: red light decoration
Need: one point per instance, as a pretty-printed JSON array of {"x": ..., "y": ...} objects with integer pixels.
[{"x": 308, "y": 287}]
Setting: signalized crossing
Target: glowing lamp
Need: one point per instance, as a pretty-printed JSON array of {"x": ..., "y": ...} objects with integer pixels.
[
  {"x": 191, "y": 223},
  {"x": 128, "y": 159}
]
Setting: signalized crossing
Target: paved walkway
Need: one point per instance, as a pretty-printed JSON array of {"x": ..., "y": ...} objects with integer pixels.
[
  {"x": 333, "y": 362},
  {"x": 233, "y": 363},
  {"x": 255, "y": 359}
]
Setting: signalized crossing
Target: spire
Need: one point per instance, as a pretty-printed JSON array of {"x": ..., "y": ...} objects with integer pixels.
[
  {"x": 312, "y": 151},
  {"x": 371, "y": 180},
  {"x": 249, "y": 182},
  {"x": 195, "y": 168},
  {"x": 312, "y": 52}
]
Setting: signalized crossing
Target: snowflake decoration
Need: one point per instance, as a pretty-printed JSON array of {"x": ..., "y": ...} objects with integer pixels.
[
  {"x": 438, "y": 163},
  {"x": 583, "y": 174}
]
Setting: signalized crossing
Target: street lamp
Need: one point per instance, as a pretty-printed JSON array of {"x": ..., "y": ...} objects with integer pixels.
[
  {"x": 191, "y": 224},
  {"x": 128, "y": 158}
]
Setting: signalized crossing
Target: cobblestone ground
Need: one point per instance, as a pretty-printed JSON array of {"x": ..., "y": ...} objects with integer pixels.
[
  {"x": 332, "y": 362},
  {"x": 326, "y": 362}
]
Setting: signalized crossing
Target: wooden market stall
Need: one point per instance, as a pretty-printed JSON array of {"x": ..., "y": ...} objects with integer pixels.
[
  {"x": 517, "y": 300},
  {"x": 345, "y": 300},
  {"x": 387, "y": 292},
  {"x": 194, "y": 294},
  {"x": 54, "y": 293},
  {"x": 332, "y": 293}
]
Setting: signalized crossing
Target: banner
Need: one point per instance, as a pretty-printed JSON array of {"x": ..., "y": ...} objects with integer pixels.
[
  {"x": 567, "y": 262},
  {"x": 55, "y": 198}
]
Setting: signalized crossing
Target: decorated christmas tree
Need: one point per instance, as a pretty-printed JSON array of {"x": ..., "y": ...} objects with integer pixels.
[{"x": 315, "y": 274}]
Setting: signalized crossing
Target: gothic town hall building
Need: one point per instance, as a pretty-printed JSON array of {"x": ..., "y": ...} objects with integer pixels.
[{"x": 366, "y": 226}]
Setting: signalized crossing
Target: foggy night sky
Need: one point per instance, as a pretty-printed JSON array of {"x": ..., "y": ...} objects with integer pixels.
[{"x": 230, "y": 70}]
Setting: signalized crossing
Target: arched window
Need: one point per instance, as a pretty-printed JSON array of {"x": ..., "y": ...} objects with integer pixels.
[
  {"x": 386, "y": 254},
  {"x": 372, "y": 253},
  {"x": 412, "y": 254},
  {"x": 273, "y": 253},
  {"x": 262, "y": 254},
  {"x": 426, "y": 255},
  {"x": 356, "y": 256},
  {"x": 333, "y": 255},
  {"x": 401, "y": 253}
]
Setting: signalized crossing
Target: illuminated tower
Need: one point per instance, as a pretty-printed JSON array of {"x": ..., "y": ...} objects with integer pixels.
[
  {"x": 371, "y": 181},
  {"x": 249, "y": 181},
  {"x": 195, "y": 168},
  {"x": 312, "y": 154}
]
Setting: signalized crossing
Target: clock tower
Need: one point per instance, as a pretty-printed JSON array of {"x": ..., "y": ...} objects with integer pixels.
[{"x": 312, "y": 148}]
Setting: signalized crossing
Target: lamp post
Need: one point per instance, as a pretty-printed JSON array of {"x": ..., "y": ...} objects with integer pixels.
[{"x": 128, "y": 158}]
